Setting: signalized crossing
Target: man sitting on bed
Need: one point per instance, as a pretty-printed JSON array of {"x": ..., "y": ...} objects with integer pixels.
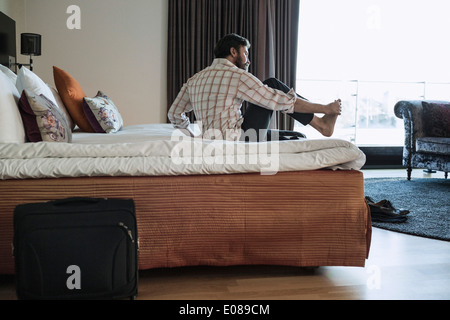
[{"x": 216, "y": 95}]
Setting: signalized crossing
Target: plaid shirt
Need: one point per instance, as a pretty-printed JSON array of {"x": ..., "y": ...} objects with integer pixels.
[{"x": 216, "y": 95}]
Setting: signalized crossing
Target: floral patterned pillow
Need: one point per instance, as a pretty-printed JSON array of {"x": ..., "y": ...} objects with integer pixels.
[
  {"x": 102, "y": 114},
  {"x": 43, "y": 121},
  {"x": 436, "y": 118}
]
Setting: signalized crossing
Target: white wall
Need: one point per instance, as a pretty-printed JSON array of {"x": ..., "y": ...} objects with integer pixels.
[{"x": 120, "y": 49}]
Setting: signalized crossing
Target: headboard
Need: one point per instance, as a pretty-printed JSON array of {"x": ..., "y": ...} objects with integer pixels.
[{"x": 8, "y": 53}]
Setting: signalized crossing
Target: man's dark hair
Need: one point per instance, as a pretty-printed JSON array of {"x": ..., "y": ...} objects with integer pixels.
[{"x": 223, "y": 47}]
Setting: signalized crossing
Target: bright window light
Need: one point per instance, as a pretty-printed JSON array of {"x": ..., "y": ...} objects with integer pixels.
[{"x": 371, "y": 54}]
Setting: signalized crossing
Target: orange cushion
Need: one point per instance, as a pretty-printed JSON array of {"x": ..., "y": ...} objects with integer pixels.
[{"x": 72, "y": 96}]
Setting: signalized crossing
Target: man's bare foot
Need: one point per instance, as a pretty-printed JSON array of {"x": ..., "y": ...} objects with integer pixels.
[
  {"x": 334, "y": 108},
  {"x": 303, "y": 106},
  {"x": 325, "y": 125}
]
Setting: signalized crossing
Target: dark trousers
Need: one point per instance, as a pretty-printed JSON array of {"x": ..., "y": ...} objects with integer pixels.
[{"x": 258, "y": 118}]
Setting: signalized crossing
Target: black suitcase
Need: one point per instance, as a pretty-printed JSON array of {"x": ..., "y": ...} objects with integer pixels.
[{"x": 76, "y": 248}]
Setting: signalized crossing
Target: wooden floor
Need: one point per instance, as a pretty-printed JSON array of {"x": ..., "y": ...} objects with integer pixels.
[{"x": 399, "y": 267}]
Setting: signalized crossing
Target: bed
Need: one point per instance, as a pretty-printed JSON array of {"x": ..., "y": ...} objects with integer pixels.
[{"x": 199, "y": 202}]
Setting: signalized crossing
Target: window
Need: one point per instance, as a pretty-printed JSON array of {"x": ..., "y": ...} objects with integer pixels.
[{"x": 371, "y": 54}]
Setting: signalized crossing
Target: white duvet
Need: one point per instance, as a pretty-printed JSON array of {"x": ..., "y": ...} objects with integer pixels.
[{"x": 159, "y": 150}]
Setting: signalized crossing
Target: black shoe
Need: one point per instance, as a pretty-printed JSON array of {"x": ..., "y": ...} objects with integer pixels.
[
  {"x": 383, "y": 211},
  {"x": 386, "y": 204}
]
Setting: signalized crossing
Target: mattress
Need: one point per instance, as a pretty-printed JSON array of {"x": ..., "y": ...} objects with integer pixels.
[{"x": 160, "y": 150}]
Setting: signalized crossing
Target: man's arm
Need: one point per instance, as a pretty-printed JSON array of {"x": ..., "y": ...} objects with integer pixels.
[
  {"x": 178, "y": 110},
  {"x": 251, "y": 89}
]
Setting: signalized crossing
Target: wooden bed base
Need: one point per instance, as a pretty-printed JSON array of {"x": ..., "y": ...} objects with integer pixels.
[{"x": 309, "y": 218}]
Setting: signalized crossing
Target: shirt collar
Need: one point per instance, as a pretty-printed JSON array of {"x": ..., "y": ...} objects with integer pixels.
[{"x": 224, "y": 61}]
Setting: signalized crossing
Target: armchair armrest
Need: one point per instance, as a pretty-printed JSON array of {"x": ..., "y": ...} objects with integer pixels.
[{"x": 411, "y": 111}]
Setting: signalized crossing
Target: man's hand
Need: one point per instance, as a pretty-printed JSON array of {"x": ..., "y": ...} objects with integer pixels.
[
  {"x": 303, "y": 106},
  {"x": 188, "y": 132},
  {"x": 334, "y": 108}
]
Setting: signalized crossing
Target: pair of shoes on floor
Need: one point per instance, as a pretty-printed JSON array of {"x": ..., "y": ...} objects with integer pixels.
[{"x": 384, "y": 211}]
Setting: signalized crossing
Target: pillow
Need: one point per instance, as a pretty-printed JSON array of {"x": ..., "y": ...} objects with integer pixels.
[
  {"x": 62, "y": 107},
  {"x": 11, "y": 127},
  {"x": 102, "y": 114},
  {"x": 436, "y": 119},
  {"x": 72, "y": 96},
  {"x": 8, "y": 72},
  {"x": 42, "y": 119},
  {"x": 27, "y": 79}
]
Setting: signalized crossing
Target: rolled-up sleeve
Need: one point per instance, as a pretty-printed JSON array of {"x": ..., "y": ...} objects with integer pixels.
[
  {"x": 251, "y": 89},
  {"x": 181, "y": 106}
]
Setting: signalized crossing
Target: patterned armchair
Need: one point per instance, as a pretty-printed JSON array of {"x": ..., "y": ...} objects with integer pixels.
[{"x": 427, "y": 134}]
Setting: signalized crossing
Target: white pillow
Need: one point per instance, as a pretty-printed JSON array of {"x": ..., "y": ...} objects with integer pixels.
[
  {"x": 8, "y": 72},
  {"x": 27, "y": 79},
  {"x": 11, "y": 125}
]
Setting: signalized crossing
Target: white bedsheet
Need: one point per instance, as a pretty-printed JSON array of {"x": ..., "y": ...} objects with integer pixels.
[{"x": 159, "y": 150}]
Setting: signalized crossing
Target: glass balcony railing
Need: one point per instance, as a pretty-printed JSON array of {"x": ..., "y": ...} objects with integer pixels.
[{"x": 368, "y": 117}]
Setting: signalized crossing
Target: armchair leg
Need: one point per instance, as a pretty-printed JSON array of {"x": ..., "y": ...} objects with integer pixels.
[
  {"x": 409, "y": 173},
  {"x": 446, "y": 175}
]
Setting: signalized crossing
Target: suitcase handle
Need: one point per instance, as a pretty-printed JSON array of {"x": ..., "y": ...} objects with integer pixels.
[{"x": 62, "y": 202}]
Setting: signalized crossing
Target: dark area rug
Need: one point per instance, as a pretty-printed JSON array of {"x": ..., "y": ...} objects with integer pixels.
[{"x": 427, "y": 200}]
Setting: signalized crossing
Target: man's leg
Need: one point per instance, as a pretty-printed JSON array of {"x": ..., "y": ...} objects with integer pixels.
[
  {"x": 258, "y": 118},
  {"x": 324, "y": 125},
  {"x": 303, "y": 118},
  {"x": 256, "y": 122}
]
